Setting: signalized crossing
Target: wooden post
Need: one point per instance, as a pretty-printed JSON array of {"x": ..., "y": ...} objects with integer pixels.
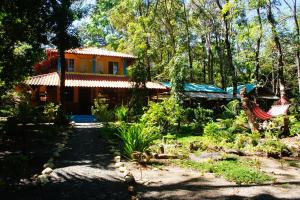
[{"x": 247, "y": 108}]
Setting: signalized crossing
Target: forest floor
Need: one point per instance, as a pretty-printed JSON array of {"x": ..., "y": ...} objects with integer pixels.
[{"x": 85, "y": 170}]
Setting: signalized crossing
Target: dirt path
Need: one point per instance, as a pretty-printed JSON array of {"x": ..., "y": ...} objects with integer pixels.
[
  {"x": 84, "y": 170},
  {"x": 171, "y": 182}
]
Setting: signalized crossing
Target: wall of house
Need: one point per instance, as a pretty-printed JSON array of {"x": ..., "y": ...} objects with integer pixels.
[{"x": 84, "y": 63}]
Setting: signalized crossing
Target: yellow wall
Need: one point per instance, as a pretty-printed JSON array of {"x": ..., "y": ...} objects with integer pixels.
[{"x": 84, "y": 63}]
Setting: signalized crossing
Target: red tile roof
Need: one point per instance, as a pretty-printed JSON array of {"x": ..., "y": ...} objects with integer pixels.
[
  {"x": 94, "y": 51},
  {"x": 88, "y": 80}
]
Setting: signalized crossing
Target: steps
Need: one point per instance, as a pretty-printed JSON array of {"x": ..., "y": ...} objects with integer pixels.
[{"x": 83, "y": 118}]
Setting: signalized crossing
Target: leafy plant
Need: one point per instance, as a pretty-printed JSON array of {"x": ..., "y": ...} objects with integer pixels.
[
  {"x": 135, "y": 138},
  {"x": 232, "y": 109},
  {"x": 100, "y": 110},
  {"x": 121, "y": 113},
  {"x": 163, "y": 116},
  {"x": 50, "y": 112}
]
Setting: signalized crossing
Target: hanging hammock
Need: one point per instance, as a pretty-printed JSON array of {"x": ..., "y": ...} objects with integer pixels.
[{"x": 276, "y": 110}]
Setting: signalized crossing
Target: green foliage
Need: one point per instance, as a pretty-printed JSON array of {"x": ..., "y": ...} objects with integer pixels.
[
  {"x": 272, "y": 147},
  {"x": 138, "y": 98},
  {"x": 240, "y": 172},
  {"x": 295, "y": 128},
  {"x": 121, "y": 113},
  {"x": 50, "y": 112},
  {"x": 135, "y": 137},
  {"x": 178, "y": 75},
  {"x": 232, "y": 109},
  {"x": 226, "y": 129},
  {"x": 101, "y": 111},
  {"x": 163, "y": 116}
]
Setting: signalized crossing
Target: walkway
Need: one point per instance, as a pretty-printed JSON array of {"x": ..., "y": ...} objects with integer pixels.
[{"x": 83, "y": 171}]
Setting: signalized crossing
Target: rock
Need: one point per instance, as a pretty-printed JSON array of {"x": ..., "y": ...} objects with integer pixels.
[
  {"x": 122, "y": 169},
  {"x": 43, "y": 179},
  {"x": 47, "y": 171},
  {"x": 117, "y": 159},
  {"x": 129, "y": 178},
  {"x": 119, "y": 164},
  {"x": 48, "y": 164}
]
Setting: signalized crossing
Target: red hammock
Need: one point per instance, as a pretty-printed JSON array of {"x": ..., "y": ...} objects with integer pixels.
[{"x": 275, "y": 110}]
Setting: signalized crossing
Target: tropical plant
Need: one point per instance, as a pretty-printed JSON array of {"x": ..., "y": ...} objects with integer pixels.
[
  {"x": 135, "y": 138},
  {"x": 50, "y": 112},
  {"x": 100, "y": 110},
  {"x": 163, "y": 116},
  {"x": 121, "y": 113}
]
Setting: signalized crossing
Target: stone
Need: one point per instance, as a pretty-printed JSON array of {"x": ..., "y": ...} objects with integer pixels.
[
  {"x": 117, "y": 159},
  {"x": 129, "y": 178},
  {"x": 43, "y": 179},
  {"x": 47, "y": 171},
  {"x": 122, "y": 169},
  {"x": 119, "y": 164}
]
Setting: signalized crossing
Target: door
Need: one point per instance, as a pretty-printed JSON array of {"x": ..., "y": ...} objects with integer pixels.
[{"x": 85, "y": 101}]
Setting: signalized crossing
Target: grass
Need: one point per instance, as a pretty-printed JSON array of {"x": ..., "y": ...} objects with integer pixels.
[{"x": 235, "y": 170}]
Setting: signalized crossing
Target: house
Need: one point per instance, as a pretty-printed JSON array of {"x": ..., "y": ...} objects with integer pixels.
[{"x": 90, "y": 73}]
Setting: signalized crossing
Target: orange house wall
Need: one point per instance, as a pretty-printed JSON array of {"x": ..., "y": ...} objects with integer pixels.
[{"x": 88, "y": 63}]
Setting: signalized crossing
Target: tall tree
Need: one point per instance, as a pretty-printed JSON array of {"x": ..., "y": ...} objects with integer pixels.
[
  {"x": 23, "y": 31},
  {"x": 62, "y": 18},
  {"x": 293, "y": 8},
  {"x": 225, "y": 12}
]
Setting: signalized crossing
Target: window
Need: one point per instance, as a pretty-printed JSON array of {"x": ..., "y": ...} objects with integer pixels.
[
  {"x": 70, "y": 65},
  {"x": 113, "y": 67}
]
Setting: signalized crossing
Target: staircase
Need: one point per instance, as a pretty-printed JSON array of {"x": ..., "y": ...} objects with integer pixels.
[{"x": 83, "y": 118}]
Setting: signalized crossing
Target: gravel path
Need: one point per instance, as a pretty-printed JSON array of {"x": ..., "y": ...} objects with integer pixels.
[{"x": 84, "y": 171}]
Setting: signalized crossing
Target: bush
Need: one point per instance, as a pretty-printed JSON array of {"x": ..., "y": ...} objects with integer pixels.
[
  {"x": 273, "y": 147},
  {"x": 50, "y": 112},
  {"x": 135, "y": 138},
  {"x": 202, "y": 117},
  {"x": 163, "y": 116},
  {"x": 121, "y": 113},
  {"x": 100, "y": 110},
  {"x": 232, "y": 109}
]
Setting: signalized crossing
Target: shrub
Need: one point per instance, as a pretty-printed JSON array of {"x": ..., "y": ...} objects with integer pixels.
[
  {"x": 202, "y": 116},
  {"x": 50, "y": 112},
  {"x": 100, "y": 110},
  {"x": 273, "y": 147},
  {"x": 135, "y": 138},
  {"x": 163, "y": 116},
  {"x": 121, "y": 113},
  {"x": 232, "y": 109}
]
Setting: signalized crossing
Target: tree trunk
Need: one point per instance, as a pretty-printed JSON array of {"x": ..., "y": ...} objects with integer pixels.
[
  {"x": 220, "y": 54},
  {"x": 258, "y": 42},
  {"x": 228, "y": 49},
  {"x": 281, "y": 82},
  {"x": 297, "y": 43},
  {"x": 188, "y": 43},
  {"x": 246, "y": 105},
  {"x": 276, "y": 39},
  {"x": 62, "y": 111}
]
